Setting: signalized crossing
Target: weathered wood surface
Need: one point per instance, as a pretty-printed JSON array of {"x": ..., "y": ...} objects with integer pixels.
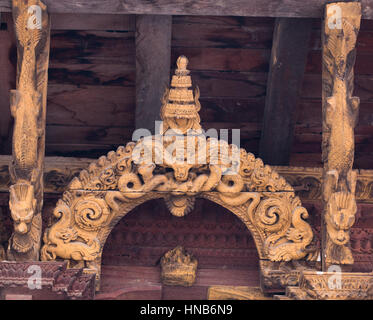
[
  {"x": 340, "y": 110},
  {"x": 153, "y": 64},
  {"x": 28, "y": 108},
  {"x": 76, "y": 21},
  {"x": 261, "y": 8},
  {"x": 288, "y": 59},
  {"x": 88, "y": 22},
  {"x": 96, "y": 70}
]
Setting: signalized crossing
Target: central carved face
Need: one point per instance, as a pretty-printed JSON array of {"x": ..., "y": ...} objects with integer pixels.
[
  {"x": 181, "y": 171},
  {"x": 340, "y": 216},
  {"x": 22, "y": 205}
]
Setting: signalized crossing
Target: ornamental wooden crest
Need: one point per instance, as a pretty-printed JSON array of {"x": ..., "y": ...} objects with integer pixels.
[{"x": 153, "y": 168}]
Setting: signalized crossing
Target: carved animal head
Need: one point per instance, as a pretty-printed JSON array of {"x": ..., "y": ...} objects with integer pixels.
[
  {"x": 179, "y": 206},
  {"x": 296, "y": 235},
  {"x": 22, "y": 204},
  {"x": 181, "y": 171},
  {"x": 340, "y": 43},
  {"x": 340, "y": 216}
]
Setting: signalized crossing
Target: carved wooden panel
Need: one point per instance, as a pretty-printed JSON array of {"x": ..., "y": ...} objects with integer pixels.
[
  {"x": 117, "y": 183},
  {"x": 340, "y": 115}
]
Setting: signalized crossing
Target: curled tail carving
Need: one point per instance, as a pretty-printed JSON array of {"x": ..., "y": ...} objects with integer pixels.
[{"x": 299, "y": 236}]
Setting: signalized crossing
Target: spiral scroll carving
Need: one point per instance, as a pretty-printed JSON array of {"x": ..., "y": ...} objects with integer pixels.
[
  {"x": 91, "y": 213},
  {"x": 272, "y": 215}
]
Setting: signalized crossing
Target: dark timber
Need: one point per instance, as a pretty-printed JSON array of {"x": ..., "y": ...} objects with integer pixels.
[{"x": 286, "y": 70}]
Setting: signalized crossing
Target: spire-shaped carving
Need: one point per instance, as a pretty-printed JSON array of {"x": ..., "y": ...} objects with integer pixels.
[{"x": 180, "y": 106}]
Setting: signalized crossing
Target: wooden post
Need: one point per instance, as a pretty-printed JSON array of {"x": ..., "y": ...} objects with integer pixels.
[
  {"x": 28, "y": 107},
  {"x": 340, "y": 113},
  {"x": 153, "y": 63},
  {"x": 241, "y": 8},
  {"x": 286, "y": 70}
]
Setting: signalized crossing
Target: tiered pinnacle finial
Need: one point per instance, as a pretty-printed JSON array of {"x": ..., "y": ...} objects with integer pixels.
[{"x": 180, "y": 106}]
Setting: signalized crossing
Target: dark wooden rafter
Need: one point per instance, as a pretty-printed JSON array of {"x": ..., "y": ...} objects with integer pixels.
[
  {"x": 286, "y": 70},
  {"x": 153, "y": 62},
  {"x": 7, "y": 81},
  {"x": 253, "y": 8}
]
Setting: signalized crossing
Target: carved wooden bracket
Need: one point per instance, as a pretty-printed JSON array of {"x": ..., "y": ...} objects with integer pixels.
[
  {"x": 52, "y": 281},
  {"x": 28, "y": 107},
  {"x": 340, "y": 113},
  {"x": 112, "y": 186},
  {"x": 331, "y": 286}
]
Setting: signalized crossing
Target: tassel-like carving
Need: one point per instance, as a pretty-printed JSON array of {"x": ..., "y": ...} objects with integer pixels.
[
  {"x": 28, "y": 107},
  {"x": 340, "y": 113}
]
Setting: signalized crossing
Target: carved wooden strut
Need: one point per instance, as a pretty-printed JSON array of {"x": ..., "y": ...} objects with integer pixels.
[
  {"x": 340, "y": 113},
  {"x": 28, "y": 107}
]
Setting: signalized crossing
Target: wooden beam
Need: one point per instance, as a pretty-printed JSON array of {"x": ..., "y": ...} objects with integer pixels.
[
  {"x": 249, "y": 8},
  {"x": 286, "y": 70},
  {"x": 153, "y": 63}
]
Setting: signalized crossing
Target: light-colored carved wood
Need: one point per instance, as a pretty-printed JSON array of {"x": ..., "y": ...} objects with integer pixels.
[
  {"x": 28, "y": 107},
  {"x": 340, "y": 114},
  {"x": 277, "y": 276},
  {"x": 115, "y": 184},
  {"x": 306, "y": 181},
  {"x": 178, "y": 268},
  {"x": 180, "y": 106},
  {"x": 236, "y": 293},
  {"x": 331, "y": 286}
]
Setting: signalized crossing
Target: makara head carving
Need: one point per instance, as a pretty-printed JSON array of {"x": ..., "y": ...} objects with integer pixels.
[
  {"x": 340, "y": 216},
  {"x": 22, "y": 204}
]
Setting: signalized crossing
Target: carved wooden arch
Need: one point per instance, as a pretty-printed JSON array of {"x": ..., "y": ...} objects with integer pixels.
[
  {"x": 115, "y": 184},
  {"x": 96, "y": 200}
]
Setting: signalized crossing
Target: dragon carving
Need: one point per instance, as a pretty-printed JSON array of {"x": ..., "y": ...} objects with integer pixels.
[
  {"x": 27, "y": 107},
  {"x": 340, "y": 117},
  {"x": 25, "y": 241}
]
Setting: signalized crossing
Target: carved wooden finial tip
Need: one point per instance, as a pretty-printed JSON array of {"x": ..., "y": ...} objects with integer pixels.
[{"x": 182, "y": 62}]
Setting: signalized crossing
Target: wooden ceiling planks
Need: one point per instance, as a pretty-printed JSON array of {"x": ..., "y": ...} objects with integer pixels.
[
  {"x": 91, "y": 94},
  {"x": 92, "y": 79}
]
